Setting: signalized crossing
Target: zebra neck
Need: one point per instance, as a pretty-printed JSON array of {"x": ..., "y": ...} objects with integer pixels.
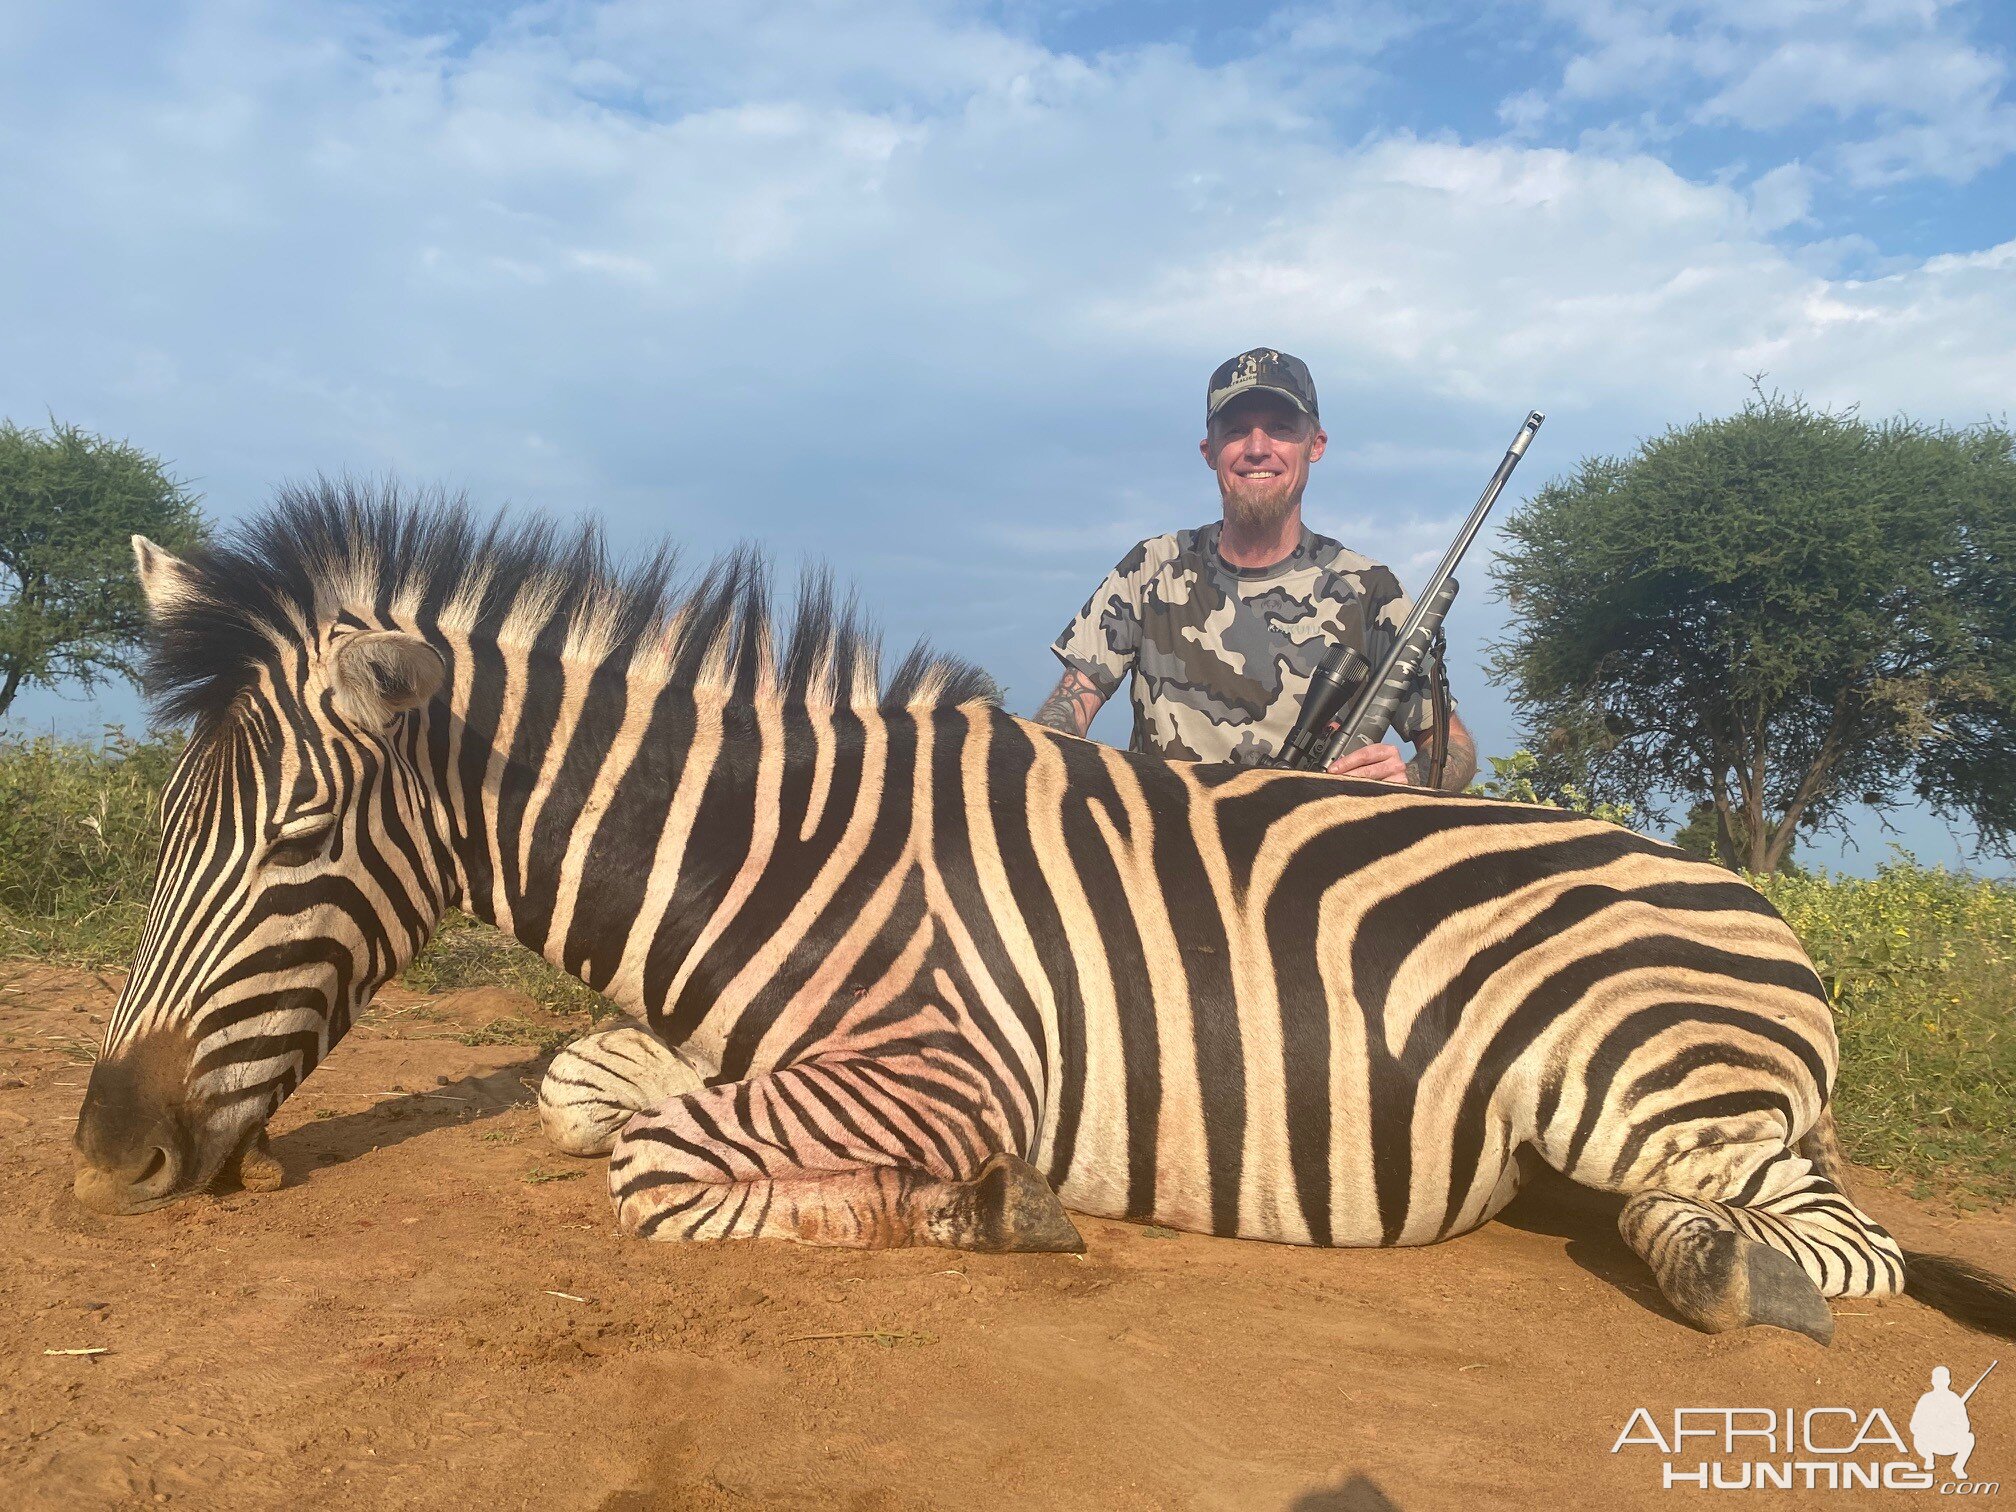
[{"x": 649, "y": 846}]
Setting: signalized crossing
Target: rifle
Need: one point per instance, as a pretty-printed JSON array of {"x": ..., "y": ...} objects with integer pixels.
[
  {"x": 1313, "y": 744},
  {"x": 1977, "y": 1385}
]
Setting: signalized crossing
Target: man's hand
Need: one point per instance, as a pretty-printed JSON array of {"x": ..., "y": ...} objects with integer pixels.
[{"x": 1378, "y": 761}]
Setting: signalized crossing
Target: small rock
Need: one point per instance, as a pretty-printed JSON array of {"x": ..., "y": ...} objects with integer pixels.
[{"x": 9, "y": 1083}]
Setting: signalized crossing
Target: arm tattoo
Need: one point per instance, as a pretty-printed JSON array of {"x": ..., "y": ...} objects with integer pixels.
[
  {"x": 1462, "y": 763},
  {"x": 1071, "y": 704},
  {"x": 1456, "y": 771}
]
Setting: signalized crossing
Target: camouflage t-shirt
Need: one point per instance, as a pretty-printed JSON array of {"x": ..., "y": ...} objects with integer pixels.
[{"x": 1222, "y": 655}]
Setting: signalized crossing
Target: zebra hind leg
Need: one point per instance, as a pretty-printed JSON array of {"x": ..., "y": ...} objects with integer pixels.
[
  {"x": 597, "y": 1084},
  {"x": 1741, "y": 1235}
]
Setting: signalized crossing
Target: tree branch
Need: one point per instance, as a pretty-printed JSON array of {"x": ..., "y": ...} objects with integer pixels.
[{"x": 1810, "y": 782}]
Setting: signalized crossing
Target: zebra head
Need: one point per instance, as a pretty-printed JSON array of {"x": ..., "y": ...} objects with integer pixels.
[{"x": 301, "y": 868}]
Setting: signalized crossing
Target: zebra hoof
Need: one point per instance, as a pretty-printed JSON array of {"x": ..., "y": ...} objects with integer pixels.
[
  {"x": 255, "y": 1168},
  {"x": 1720, "y": 1281},
  {"x": 1010, "y": 1207},
  {"x": 1784, "y": 1296}
]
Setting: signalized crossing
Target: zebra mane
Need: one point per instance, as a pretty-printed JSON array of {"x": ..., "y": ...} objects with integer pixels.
[{"x": 425, "y": 559}]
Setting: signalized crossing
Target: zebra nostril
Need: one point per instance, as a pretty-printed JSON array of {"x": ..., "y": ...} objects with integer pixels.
[
  {"x": 130, "y": 1184},
  {"x": 158, "y": 1174}
]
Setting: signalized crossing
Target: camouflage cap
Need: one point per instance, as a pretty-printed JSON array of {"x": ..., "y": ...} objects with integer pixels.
[{"x": 1267, "y": 371}]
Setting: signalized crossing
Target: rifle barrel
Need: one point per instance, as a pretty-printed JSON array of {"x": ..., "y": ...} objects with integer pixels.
[
  {"x": 1977, "y": 1384},
  {"x": 1430, "y": 605}
]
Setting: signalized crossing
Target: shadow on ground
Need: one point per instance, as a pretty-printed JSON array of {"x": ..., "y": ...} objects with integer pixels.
[
  {"x": 1358, "y": 1494},
  {"x": 332, "y": 1137},
  {"x": 1554, "y": 1206}
]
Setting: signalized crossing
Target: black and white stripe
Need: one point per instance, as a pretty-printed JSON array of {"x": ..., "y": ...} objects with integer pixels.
[{"x": 932, "y": 962}]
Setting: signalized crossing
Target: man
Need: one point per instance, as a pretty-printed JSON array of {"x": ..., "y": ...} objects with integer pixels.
[
  {"x": 1939, "y": 1423},
  {"x": 1223, "y": 625}
]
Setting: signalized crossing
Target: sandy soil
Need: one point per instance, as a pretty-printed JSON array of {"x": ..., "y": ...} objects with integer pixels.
[{"x": 389, "y": 1330}]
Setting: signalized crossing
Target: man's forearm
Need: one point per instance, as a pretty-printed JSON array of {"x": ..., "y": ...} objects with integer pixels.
[
  {"x": 1072, "y": 704},
  {"x": 1460, "y": 767}
]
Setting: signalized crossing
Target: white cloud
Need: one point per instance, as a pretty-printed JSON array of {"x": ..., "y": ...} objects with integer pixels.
[
  {"x": 886, "y": 284},
  {"x": 1781, "y": 197},
  {"x": 1482, "y": 272},
  {"x": 1524, "y": 112},
  {"x": 1918, "y": 96},
  {"x": 593, "y": 223}
]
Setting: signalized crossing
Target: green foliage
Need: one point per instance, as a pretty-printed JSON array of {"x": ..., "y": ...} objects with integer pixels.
[
  {"x": 70, "y": 503},
  {"x": 1519, "y": 778},
  {"x": 539, "y": 1176},
  {"x": 466, "y": 952},
  {"x": 1782, "y": 613},
  {"x": 1921, "y": 967},
  {"x": 1697, "y": 835},
  {"x": 79, "y": 827}
]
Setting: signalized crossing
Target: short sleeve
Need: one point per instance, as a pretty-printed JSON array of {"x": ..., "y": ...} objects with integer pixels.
[
  {"x": 1386, "y": 611},
  {"x": 1106, "y": 635}
]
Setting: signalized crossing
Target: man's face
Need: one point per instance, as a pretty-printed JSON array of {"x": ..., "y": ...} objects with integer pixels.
[{"x": 1261, "y": 447}]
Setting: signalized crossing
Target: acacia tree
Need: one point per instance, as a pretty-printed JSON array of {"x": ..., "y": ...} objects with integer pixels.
[
  {"x": 70, "y": 503},
  {"x": 1778, "y": 613}
]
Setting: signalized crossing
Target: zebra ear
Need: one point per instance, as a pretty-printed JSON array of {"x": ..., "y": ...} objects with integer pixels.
[
  {"x": 165, "y": 579},
  {"x": 380, "y": 674}
]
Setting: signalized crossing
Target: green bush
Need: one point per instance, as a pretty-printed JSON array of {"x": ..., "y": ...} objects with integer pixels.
[
  {"x": 79, "y": 825},
  {"x": 1517, "y": 779},
  {"x": 466, "y": 952},
  {"x": 1919, "y": 964}
]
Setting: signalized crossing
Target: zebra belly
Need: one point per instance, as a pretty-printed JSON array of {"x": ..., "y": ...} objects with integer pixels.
[{"x": 1183, "y": 1200}]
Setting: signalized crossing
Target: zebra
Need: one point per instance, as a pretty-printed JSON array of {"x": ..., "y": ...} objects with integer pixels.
[{"x": 905, "y": 969}]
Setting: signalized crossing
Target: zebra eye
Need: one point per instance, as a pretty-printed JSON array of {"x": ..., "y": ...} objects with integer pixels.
[{"x": 297, "y": 850}]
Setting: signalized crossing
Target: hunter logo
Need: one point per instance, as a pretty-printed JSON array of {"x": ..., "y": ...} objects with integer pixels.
[{"x": 1815, "y": 1448}]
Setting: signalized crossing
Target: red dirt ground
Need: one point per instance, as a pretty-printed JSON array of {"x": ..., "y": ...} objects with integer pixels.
[{"x": 385, "y": 1332}]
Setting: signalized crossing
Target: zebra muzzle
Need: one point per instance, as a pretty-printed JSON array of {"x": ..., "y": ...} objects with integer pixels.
[
  {"x": 133, "y": 1149},
  {"x": 144, "y": 1177}
]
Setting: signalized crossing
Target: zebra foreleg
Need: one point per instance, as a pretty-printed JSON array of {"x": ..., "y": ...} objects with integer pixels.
[
  {"x": 597, "y": 1084},
  {"x": 1743, "y": 1235},
  {"x": 846, "y": 1150}
]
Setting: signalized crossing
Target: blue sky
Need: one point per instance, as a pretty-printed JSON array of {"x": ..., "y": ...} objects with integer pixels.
[{"x": 931, "y": 290}]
